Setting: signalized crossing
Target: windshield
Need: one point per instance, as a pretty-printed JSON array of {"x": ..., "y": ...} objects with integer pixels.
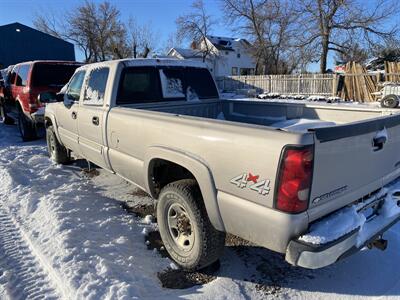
[{"x": 56, "y": 75}]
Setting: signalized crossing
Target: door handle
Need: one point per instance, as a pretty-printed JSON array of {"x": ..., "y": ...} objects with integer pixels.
[
  {"x": 74, "y": 115},
  {"x": 379, "y": 142},
  {"x": 95, "y": 121}
]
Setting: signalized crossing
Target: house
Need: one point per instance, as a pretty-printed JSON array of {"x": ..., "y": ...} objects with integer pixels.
[
  {"x": 228, "y": 56},
  {"x": 19, "y": 43}
]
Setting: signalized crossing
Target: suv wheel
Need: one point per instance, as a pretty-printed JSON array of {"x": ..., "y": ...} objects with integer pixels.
[
  {"x": 188, "y": 235},
  {"x": 26, "y": 127},
  {"x": 57, "y": 152}
]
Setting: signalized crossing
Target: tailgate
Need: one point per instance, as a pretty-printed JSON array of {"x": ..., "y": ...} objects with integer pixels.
[{"x": 352, "y": 161}]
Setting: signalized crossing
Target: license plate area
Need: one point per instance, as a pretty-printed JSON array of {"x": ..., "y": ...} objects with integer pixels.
[{"x": 371, "y": 210}]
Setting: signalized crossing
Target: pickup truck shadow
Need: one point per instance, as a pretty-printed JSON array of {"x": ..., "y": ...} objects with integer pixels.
[{"x": 367, "y": 273}]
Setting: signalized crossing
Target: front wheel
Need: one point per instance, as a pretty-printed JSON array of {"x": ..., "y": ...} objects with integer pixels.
[
  {"x": 57, "y": 152},
  {"x": 188, "y": 235}
]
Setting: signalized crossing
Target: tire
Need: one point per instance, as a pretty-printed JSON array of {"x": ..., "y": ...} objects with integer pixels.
[
  {"x": 390, "y": 101},
  {"x": 26, "y": 127},
  {"x": 3, "y": 114},
  {"x": 57, "y": 152},
  {"x": 188, "y": 235}
]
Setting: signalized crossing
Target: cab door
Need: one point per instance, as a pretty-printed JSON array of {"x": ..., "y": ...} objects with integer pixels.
[
  {"x": 92, "y": 114},
  {"x": 67, "y": 112}
]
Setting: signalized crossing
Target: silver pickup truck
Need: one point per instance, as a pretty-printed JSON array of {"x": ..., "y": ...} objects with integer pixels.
[{"x": 314, "y": 182}]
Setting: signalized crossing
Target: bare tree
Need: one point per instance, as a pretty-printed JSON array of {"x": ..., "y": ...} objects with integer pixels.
[
  {"x": 355, "y": 52},
  {"x": 331, "y": 25},
  {"x": 170, "y": 43},
  {"x": 141, "y": 38},
  {"x": 269, "y": 24},
  {"x": 95, "y": 28},
  {"x": 195, "y": 27}
]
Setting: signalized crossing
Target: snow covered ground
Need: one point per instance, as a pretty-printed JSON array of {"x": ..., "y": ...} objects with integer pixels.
[{"x": 64, "y": 235}]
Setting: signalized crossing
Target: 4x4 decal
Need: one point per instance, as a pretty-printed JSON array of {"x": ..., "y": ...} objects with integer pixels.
[{"x": 248, "y": 180}]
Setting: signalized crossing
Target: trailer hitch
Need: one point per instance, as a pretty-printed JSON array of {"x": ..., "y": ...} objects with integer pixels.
[{"x": 380, "y": 244}]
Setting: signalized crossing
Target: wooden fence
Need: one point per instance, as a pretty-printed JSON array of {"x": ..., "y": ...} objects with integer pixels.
[{"x": 303, "y": 84}]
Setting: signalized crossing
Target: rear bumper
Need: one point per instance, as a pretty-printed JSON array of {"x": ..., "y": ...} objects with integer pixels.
[{"x": 314, "y": 256}]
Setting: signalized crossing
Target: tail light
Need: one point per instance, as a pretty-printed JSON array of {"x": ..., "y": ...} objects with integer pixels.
[{"x": 294, "y": 179}]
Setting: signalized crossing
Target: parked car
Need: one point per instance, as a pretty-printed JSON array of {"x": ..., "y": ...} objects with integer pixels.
[
  {"x": 24, "y": 83},
  {"x": 313, "y": 182}
]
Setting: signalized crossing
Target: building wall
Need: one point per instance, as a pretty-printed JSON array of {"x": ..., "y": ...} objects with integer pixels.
[
  {"x": 225, "y": 60},
  {"x": 19, "y": 43}
]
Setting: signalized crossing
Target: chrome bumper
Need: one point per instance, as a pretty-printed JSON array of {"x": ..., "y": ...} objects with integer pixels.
[{"x": 314, "y": 256}]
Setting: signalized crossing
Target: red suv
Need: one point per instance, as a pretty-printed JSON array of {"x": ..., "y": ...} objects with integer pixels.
[{"x": 25, "y": 82}]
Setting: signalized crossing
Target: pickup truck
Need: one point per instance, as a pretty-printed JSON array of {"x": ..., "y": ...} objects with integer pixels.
[{"x": 314, "y": 182}]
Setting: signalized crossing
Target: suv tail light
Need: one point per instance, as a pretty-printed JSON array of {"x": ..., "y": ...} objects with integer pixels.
[{"x": 294, "y": 179}]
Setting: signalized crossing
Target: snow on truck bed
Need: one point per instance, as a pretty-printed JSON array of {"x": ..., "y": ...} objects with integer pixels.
[{"x": 65, "y": 236}]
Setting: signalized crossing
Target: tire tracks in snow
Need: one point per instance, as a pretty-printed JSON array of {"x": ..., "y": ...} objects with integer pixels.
[{"x": 24, "y": 272}]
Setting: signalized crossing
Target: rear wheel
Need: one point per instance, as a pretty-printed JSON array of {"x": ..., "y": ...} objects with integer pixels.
[
  {"x": 390, "y": 101},
  {"x": 187, "y": 233},
  {"x": 26, "y": 127},
  {"x": 57, "y": 152}
]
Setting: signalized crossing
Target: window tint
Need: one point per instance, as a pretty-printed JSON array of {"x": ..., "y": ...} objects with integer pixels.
[
  {"x": 138, "y": 85},
  {"x": 49, "y": 75},
  {"x": 22, "y": 75},
  {"x": 200, "y": 83},
  {"x": 94, "y": 94},
  {"x": 142, "y": 85},
  {"x": 75, "y": 86}
]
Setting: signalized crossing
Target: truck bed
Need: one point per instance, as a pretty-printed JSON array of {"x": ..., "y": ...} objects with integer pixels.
[{"x": 290, "y": 117}]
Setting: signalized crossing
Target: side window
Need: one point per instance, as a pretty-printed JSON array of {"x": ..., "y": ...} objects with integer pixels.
[
  {"x": 12, "y": 76},
  {"x": 138, "y": 85},
  {"x": 75, "y": 86},
  {"x": 96, "y": 87},
  {"x": 22, "y": 76}
]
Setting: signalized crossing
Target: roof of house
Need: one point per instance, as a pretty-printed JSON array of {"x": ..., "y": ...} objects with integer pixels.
[
  {"x": 187, "y": 53},
  {"x": 226, "y": 43}
]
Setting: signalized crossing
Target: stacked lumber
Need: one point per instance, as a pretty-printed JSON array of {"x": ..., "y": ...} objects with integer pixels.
[
  {"x": 392, "y": 71},
  {"x": 358, "y": 84}
]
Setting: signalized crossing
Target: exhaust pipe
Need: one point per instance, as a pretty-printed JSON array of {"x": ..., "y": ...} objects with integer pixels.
[{"x": 380, "y": 244}]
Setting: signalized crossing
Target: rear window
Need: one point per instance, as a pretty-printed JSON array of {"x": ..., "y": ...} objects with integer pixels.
[
  {"x": 138, "y": 85},
  {"x": 150, "y": 84},
  {"x": 56, "y": 75}
]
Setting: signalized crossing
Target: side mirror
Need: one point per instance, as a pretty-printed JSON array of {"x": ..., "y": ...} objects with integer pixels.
[{"x": 47, "y": 97}]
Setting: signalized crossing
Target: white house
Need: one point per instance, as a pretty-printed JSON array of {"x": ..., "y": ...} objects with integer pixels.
[{"x": 228, "y": 56}]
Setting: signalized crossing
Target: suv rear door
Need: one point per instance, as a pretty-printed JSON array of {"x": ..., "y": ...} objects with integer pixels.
[{"x": 20, "y": 90}]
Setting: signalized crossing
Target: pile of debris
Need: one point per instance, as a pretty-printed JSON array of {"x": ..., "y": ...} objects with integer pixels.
[
  {"x": 358, "y": 84},
  {"x": 392, "y": 71}
]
